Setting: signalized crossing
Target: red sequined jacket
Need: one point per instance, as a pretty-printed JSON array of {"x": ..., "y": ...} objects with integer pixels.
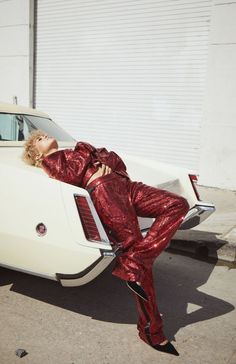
[{"x": 77, "y": 166}]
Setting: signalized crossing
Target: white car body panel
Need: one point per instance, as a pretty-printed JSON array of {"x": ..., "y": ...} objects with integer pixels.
[{"x": 29, "y": 197}]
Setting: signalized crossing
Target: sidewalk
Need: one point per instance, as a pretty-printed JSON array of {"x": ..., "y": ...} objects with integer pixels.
[{"x": 216, "y": 236}]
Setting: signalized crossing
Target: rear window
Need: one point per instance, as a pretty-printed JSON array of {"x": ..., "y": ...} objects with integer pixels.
[{"x": 15, "y": 127}]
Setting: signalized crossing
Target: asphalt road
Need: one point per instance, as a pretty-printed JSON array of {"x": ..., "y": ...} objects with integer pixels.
[{"x": 96, "y": 323}]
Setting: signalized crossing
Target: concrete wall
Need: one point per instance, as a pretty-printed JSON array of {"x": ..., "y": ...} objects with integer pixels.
[
  {"x": 218, "y": 142},
  {"x": 14, "y": 51}
]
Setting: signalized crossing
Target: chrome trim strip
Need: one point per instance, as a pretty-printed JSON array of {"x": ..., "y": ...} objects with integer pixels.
[
  {"x": 196, "y": 215},
  {"x": 104, "y": 239},
  {"x": 90, "y": 272}
]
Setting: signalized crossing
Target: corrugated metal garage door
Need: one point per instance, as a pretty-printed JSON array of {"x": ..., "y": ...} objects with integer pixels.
[{"x": 128, "y": 75}]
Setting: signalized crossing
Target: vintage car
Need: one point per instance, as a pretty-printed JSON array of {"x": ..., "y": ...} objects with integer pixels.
[{"x": 50, "y": 228}]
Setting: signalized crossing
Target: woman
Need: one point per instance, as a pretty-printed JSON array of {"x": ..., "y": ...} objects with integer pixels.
[{"x": 118, "y": 201}]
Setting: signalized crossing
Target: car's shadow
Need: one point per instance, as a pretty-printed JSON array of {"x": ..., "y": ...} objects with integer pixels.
[{"x": 108, "y": 299}]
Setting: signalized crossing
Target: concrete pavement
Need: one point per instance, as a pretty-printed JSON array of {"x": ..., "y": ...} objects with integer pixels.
[
  {"x": 96, "y": 323},
  {"x": 216, "y": 236}
]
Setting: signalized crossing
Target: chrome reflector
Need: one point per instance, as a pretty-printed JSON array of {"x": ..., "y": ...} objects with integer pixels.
[
  {"x": 90, "y": 228},
  {"x": 194, "y": 179}
]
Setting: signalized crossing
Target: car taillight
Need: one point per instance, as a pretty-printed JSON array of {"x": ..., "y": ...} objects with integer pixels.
[
  {"x": 90, "y": 228},
  {"x": 194, "y": 179}
]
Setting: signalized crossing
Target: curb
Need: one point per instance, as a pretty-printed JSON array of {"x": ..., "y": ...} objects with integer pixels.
[{"x": 216, "y": 250}]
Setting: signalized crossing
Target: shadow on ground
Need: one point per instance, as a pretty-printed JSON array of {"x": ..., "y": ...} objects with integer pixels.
[
  {"x": 204, "y": 244},
  {"x": 108, "y": 299}
]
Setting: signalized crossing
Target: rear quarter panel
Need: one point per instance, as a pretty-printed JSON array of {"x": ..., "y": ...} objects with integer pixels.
[{"x": 28, "y": 196}]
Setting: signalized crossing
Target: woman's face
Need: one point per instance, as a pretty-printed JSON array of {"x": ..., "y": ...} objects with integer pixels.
[{"x": 44, "y": 144}]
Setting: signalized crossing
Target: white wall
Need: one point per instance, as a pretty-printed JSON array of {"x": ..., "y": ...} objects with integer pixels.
[
  {"x": 218, "y": 142},
  {"x": 14, "y": 51},
  {"x": 218, "y": 132}
]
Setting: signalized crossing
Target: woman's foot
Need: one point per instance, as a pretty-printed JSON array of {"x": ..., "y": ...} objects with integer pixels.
[{"x": 166, "y": 347}]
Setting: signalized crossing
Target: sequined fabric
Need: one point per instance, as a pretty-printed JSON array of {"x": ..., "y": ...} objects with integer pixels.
[
  {"x": 119, "y": 201},
  {"x": 78, "y": 165}
]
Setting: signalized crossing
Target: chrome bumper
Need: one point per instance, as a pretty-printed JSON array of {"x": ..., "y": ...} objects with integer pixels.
[
  {"x": 196, "y": 215},
  {"x": 91, "y": 272}
]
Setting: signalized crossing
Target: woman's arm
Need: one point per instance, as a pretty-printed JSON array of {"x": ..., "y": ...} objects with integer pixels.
[
  {"x": 66, "y": 165},
  {"x": 111, "y": 159}
]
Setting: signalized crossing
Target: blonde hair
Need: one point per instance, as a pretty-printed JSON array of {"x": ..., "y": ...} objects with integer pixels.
[{"x": 31, "y": 155}]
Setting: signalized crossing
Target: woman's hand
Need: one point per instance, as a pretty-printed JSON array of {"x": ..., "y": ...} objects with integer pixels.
[
  {"x": 102, "y": 171},
  {"x": 105, "y": 169}
]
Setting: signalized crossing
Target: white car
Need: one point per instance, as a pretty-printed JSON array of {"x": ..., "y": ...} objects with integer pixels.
[{"x": 47, "y": 227}]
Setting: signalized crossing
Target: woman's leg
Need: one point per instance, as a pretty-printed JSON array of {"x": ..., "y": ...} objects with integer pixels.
[
  {"x": 169, "y": 210},
  {"x": 113, "y": 204},
  {"x": 150, "y": 323},
  {"x": 118, "y": 201},
  {"x": 114, "y": 207}
]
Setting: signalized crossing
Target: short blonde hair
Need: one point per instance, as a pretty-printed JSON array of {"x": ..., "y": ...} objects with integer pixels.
[{"x": 31, "y": 155}]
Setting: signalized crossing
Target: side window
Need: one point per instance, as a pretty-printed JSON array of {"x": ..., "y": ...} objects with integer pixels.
[
  {"x": 7, "y": 127},
  {"x": 13, "y": 128},
  {"x": 17, "y": 127}
]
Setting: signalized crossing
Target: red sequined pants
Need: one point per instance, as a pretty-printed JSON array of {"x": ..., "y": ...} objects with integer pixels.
[{"x": 118, "y": 202}]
